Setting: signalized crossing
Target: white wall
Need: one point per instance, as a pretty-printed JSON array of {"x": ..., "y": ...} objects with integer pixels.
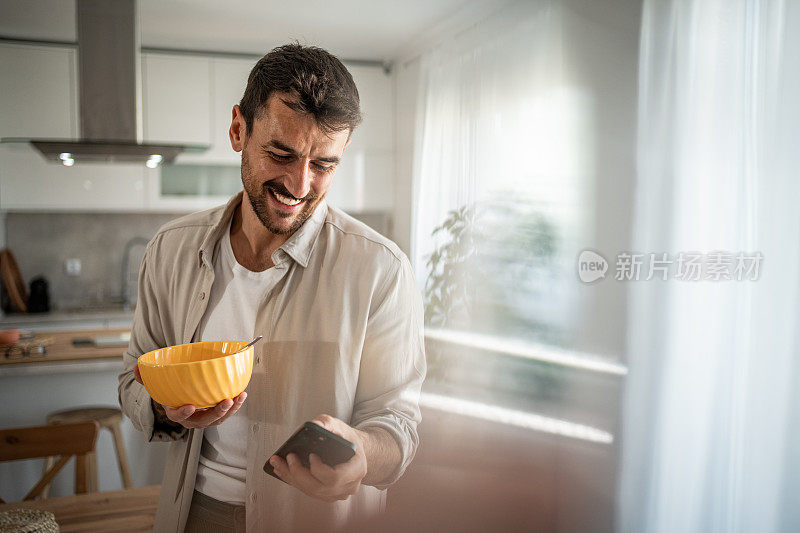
[
  {"x": 365, "y": 179},
  {"x": 406, "y": 88}
]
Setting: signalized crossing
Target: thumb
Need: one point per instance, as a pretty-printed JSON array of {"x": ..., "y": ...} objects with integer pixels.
[
  {"x": 137, "y": 375},
  {"x": 322, "y": 421}
]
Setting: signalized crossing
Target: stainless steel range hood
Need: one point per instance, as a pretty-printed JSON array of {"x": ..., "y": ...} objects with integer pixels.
[{"x": 110, "y": 91}]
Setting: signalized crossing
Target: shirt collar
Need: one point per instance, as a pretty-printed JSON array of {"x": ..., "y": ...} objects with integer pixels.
[{"x": 299, "y": 246}]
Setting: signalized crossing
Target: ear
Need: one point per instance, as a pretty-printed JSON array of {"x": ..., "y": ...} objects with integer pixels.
[{"x": 238, "y": 130}]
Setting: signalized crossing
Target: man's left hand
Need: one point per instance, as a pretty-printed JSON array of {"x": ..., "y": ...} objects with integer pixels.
[{"x": 320, "y": 480}]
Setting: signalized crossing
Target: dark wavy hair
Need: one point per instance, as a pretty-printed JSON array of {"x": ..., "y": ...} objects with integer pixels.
[{"x": 318, "y": 82}]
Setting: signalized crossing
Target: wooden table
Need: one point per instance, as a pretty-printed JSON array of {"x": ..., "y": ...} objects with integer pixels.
[
  {"x": 61, "y": 347},
  {"x": 120, "y": 510}
]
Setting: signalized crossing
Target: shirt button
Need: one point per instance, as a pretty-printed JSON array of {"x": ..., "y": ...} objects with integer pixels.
[
  {"x": 202, "y": 295},
  {"x": 258, "y": 360},
  {"x": 253, "y": 497},
  {"x": 255, "y": 428}
]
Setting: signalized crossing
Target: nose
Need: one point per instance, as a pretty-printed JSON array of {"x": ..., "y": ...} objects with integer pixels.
[{"x": 299, "y": 182}]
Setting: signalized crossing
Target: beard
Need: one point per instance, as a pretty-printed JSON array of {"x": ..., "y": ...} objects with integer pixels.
[{"x": 258, "y": 194}]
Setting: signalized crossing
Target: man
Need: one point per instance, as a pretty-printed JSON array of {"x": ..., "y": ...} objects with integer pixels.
[{"x": 335, "y": 301}]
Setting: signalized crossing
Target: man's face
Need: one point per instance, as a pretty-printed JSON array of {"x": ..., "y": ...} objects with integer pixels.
[{"x": 287, "y": 164}]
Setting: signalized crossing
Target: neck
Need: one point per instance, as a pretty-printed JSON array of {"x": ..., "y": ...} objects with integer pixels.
[{"x": 252, "y": 243}]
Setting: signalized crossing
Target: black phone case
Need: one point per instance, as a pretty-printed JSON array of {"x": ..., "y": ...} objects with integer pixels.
[{"x": 311, "y": 438}]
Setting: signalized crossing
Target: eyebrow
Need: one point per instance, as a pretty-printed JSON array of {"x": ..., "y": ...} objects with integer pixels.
[{"x": 282, "y": 147}]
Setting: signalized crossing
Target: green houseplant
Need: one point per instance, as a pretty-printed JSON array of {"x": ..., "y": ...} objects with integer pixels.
[{"x": 485, "y": 253}]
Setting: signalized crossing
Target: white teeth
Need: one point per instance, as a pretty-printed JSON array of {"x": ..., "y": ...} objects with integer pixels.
[{"x": 284, "y": 200}]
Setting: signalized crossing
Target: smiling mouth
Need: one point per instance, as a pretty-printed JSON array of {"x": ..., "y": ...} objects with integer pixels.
[{"x": 285, "y": 200}]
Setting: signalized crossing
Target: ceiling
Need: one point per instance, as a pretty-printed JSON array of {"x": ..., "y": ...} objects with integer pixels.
[{"x": 351, "y": 29}]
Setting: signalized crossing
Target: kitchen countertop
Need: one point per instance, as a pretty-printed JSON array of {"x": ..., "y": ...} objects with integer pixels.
[
  {"x": 61, "y": 355},
  {"x": 95, "y": 318}
]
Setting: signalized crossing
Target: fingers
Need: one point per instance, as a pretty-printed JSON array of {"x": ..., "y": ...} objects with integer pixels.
[
  {"x": 280, "y": 468},
  {"x": 190, "y": 417},
  {"x": 202, "y": 419},
  {"x": 326, "y": 422},
  {"x": 324, "y": 473},
  {"x": 237, "y": 403},
  {"x": 180, "y": 414},
  {"x": 350, "y": 468},
  {"x": 137, "y": 375},
  {"x": 309, "y": 481},
  {"x": 301, "y": 478}
]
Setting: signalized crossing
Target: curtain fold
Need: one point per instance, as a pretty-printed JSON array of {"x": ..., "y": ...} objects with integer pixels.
[{"x": 709, "y": 419}]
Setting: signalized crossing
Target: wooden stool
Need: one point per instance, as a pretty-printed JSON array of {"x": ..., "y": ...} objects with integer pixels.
[{"x": 107, "y": 418}]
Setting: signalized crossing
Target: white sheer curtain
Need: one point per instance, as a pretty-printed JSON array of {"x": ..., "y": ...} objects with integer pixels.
[
  {"x": 503, "y": 131},
  {"x": 710, "y": 440}
]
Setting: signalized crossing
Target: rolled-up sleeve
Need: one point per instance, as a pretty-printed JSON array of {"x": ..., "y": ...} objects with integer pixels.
[
  {"x": 147, "y": 334},
  {"x": 393, "y": 365}
]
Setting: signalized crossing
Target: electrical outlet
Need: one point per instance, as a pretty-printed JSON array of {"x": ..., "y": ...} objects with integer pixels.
[{"x": 72, "y": 266}]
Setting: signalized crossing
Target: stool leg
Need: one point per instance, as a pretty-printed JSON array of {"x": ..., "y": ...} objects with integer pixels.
[
  {"x": 81, "y": 470},
  {"x": 91, "y": 472},
  {"x": 122, "y": 459},
  {"x": 48, "y": 463}
]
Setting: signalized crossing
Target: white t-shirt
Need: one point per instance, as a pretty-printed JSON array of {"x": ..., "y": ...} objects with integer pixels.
[{"x": 236, "y": 295}]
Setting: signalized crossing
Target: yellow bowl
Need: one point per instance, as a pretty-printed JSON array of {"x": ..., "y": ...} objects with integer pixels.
[{"x": 201, "y": 373}]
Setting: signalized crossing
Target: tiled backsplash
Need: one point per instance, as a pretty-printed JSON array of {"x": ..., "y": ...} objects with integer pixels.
[{"x": 42, "y": 242}]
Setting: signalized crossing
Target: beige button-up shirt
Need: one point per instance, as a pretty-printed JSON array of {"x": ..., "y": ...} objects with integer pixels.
[{"x": 343, "y": 335}]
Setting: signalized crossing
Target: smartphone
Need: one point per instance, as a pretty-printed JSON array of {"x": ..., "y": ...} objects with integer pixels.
[{"x": 311, "y": 438}]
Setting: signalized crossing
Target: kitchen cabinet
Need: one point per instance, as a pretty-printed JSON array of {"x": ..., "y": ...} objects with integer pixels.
[
  {"x": 176, "y": 98},
  {"x": 364, "y": 180},
  {"x": 186, "y": 98},
  {"x": 202, "y": 180},
  {"x": 38, "y": 91},
  {"x": 192, "y": 187},
  {"x": 40, "y": 100},
  {"x": 228, "y": 82},
  {"x": 29, "y": 183}
]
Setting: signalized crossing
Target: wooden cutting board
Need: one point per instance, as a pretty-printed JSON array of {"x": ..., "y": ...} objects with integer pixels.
[
  {"x": 60, "y": 347},
  {"x": 12, "y": 279}
]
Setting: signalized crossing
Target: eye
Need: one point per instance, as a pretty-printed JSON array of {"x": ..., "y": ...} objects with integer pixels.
[
  {"x": 323, "y": 168},
  {"x": 279, "y": 157}
]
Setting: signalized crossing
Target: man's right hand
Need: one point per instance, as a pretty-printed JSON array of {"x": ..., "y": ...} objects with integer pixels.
[{"x": 190, "y": 417}]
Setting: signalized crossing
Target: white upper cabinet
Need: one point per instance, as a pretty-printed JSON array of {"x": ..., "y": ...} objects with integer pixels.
[
  {"x": 167, "y": 120},
  {"x": 38, "y": 91},
  {"x": 39, "y": 99},
  {"x": 176, "y": 98},
  {"x": 229, "y": 82},
  {"x": 186, "y": 98},
  {"x": 201, "y": 180}
]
